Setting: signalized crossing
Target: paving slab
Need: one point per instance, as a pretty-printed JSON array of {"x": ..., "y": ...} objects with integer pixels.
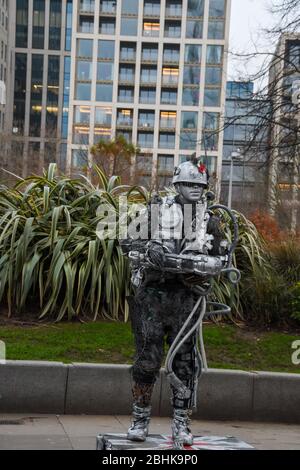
[{"x": 43, "y": 432}]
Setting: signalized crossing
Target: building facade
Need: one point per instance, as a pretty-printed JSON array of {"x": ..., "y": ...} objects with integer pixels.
[
  {"x": 242, "y": 133},
  {"x": 38, "y": 91},
  {"x": 4, "y": 56},
  {"x": 284, "y": 86},
  {"x": 85, "y": 70},
  {"x": 153, "y": 71}
]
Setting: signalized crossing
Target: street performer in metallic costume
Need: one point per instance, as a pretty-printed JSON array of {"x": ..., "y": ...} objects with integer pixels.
[{"x": 164, "y": 298}]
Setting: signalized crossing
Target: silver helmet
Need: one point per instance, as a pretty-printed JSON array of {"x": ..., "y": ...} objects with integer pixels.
[{"x": 192, "y": 171}]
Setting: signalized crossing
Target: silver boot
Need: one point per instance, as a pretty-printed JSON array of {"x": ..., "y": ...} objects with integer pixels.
[
  {"x": 138, "y": 430},
  {"x": 181, "y": 433}
]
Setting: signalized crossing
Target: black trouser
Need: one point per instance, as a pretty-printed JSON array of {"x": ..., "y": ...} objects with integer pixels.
[{"x": 156, "y": 313}]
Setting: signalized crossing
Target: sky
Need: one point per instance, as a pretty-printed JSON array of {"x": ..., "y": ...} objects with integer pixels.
[{"x": 248, "y": 18}]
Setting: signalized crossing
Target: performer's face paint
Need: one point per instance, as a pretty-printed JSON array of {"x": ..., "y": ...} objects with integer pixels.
[{"x": 189, "y": 192}]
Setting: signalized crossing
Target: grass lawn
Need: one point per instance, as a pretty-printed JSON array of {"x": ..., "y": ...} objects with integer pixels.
[{"x": 227, "y": 346}]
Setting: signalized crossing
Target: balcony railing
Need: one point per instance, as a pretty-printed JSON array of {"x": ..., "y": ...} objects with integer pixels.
[
  {"x": 171, "y": 58},
  {"x": 146, "y": 124},
  {"x": 146, "y": 79},
  {"x": 125, "y": 99},
  {"x": 128, "y": 56},
  {"x": 153, "y": 33},
  {"x": 151, "y": 10},
  {"x": 167, "y": 123},
  {"x": 169, "y": 80},
  {"x": 124, "y": 122},
  {"x": 87, "y": 7},
  {"x": 149, "y": 57},
  {"x": 173, "y": 12}
]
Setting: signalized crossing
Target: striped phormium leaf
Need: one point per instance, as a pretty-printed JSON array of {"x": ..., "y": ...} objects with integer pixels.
[{"x": 49, "y": 250}]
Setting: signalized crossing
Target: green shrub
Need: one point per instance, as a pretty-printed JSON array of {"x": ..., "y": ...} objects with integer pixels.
[
  {"x": 295, "y": 301},
  {"x": 49, "y": 249}
]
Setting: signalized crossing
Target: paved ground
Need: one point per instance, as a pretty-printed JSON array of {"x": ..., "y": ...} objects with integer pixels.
[{"x": 79, "y": 432}]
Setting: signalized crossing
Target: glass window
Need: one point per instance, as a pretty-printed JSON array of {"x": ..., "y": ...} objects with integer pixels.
[
  {"x": 107, "y": 25},
  {"x": 174, "y": 7},
  {"x": 108, "y": 6},
  {"x": 66, "y": 96},
  {"x": 165, "y": 163},
  {"x": 20, "y": 92},
  {"x": 148, "y": 74},
  {"x": 216, "y": 29},
  {"x": 210, "y": 162},
  {"x": 191, "y": 75},
  {"x": 146, "y": 118},
  {"x": 124, "y": 117},
  {"x": 83, "y": 91},
  {"x": 52, "y": 95},
  {"x": 190, "y": 96},
  {"x": 168, "y": 96},
  {"x": 189, "y": 120},
  {"x": 102, "y": 133},
  {"x": 214, "y": 54},
  {"x": 188, "y": 140},
  {"x": 127, "y": 51},
  {"x": 149, "y": 52},
  {"x": 166, "y": 140},
  {"x": 84, "y": 48},
  {"x": 130, "y": 7},
  {"x": 38, "y": 24},
  {"x": 87, "y": 6},
  {"x": 126, "y": 73},
  {"x": 125, "y": 94},
  {"x": 82, "y": 114},
  {"x": 171, "y": 53},
  {"x": 147, "y": 95},
  {"x": 168, "y": 119},
  {"x": 86, "y": 24},
  {"x": 151, "y": 28},
  {"x": 152, "y": 7},
  {"x": 55, "y": 24},
  {"x": 36, "y": 94},
  {"x": 145, "y": 139},
  {"x": 21, "y": 23},
  {"x": 106, "y": 49},
  {"x": 103, "y": 116},
  {"x": 104, "y": 92},
  {"x": 209, "y": 141},
  {"x": 129, "y": 26},
  {"x": 170, "y": 75},
  {"x": 105, "y": 71},
  {"x": 211, "y": 121},
  {"x": 79, "y": 158},
  {"x": 192, "y": 54},
  {"x": 194, "y": 29},
  {"x": 173, "y": 29},
  {"x": 195, "y": 8},
  {"x": 213, "y": 76},
  {"x": 84, "y": 70},
  {"x": 217, "y": 8},
  {"x": 212, "y": 96},
  {"x": 69, "y": 13}
]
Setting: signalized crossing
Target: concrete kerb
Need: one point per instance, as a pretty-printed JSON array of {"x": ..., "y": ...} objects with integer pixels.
[{"x": 52, "y": 387}]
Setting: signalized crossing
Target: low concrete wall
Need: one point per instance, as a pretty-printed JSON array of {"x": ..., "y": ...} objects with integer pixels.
[{"x": 49, "y": 387}]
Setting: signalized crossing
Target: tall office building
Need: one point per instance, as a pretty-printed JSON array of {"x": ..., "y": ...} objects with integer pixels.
[
  {"x": 153, "y": 71},
  {"x": 284, "y": 86},
  {"x": 85, "y": 70},
  {"x": 38, "y": 88},
  {"x": 243, "y": 133},
  {"x": 4, "y": 7}
]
